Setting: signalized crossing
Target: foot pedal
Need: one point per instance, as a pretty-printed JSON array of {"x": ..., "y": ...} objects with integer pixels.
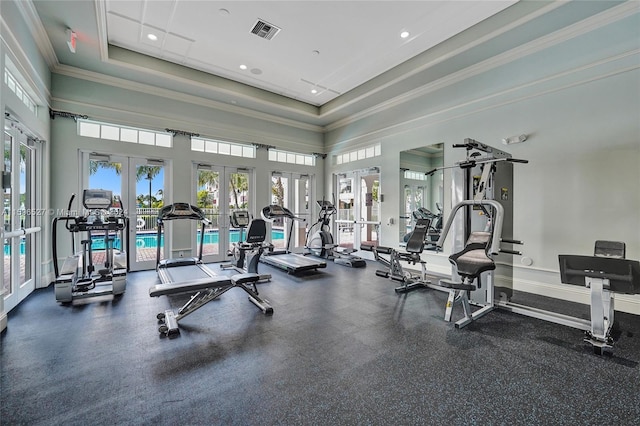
[
  {"x": 456, "y": 285},
  {"x": 383, "y": 274}
]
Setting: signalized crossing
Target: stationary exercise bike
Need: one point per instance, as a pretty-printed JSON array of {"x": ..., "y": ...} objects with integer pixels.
[
  {"x": 247, "y": 251},
  {"x": 321, "y": 243}
]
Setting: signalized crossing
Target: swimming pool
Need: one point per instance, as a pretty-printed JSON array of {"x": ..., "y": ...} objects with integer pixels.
[{"x": 149, "y": 240}]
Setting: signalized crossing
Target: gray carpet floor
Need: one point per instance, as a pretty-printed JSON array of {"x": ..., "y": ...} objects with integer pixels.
[{"x": 342, "y": 348}]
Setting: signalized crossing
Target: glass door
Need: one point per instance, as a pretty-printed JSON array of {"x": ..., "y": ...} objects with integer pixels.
[
  {"x": 292, "y": 191},
  {"x": 105, "y": 172},
  {"x": 358, "y": 216},
  {"x": 414, "y": 196},
  {"x": 139, "y": 185},
  {"x": 147, "y": 195},
  {"x": 21, "y": 218},
  {"x": 219, "y": 191}
]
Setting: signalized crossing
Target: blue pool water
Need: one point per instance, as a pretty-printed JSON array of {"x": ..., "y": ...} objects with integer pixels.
[{"x": 149, "y": 240}]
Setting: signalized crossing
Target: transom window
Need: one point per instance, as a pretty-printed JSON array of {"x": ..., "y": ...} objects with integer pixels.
[
  {"x": 359, "y": 154},
  {"x": 223, "y": 148},
  {"x": 291, "y": 157},
  {"x": 114, "y": 132},
  {"x": 15, "y": 87},
  {"x": 410, "y": 174}
]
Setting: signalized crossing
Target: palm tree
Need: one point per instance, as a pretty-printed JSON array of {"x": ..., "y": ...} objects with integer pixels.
[
  {"x": 207, "y": 180},
  {"x": 277, "y": 190},
  {"x": 239, "y": 184}
]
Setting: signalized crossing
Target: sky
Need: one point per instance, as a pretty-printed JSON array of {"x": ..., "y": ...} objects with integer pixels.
[{"x": 109, "y": 180}]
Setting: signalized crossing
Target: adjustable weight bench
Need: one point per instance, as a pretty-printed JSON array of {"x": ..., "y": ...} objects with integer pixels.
[
  {"x": 206, "y": 290},
  {"x": 395, "y": 271}
]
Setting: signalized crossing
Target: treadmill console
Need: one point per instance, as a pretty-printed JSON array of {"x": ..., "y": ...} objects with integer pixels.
[
  {"x": 181, "y": 211},
  {"x": 97, "y": 199},
  {"x": 240, "y": 219},
  {"x": 275, "y": 210}
]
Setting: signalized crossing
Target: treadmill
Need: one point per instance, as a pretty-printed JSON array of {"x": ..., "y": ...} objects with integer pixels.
[
  {"x": 191, "y": 275},
  {"x": 284, "y": 259}
]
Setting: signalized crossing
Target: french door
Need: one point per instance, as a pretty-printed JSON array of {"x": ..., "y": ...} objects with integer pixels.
[
  {"x": 358, "y": 216},
  {"x": 219, "y": 191},
  {"x": 22, "y": 217},
  {"x": 139, "y": 184},
  {"x": 292, "y": 191}
]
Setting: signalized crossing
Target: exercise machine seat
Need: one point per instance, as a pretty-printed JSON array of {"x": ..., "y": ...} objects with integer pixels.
[{"x": 473, "y": 259}]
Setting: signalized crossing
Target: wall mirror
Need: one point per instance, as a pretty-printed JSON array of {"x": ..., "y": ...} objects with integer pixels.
[{"x": 421, "y": 195}]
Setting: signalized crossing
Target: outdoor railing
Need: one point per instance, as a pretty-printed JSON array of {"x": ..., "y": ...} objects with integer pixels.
[{"x": 147, "y": 218}]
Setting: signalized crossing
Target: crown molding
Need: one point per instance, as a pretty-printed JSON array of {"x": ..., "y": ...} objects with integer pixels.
[
  {"x": 545, "y": 85},
  {"x": 34, "y": 24},
  {"x": 24, "y": 66},
  {"x": 179, "y": 96},
  {"x": 214, "y": 130},
  {"x": 589, "y": 24}
]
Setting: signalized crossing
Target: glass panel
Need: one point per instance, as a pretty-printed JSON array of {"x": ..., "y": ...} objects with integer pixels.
[
  {"x": 150, "y": 199},
  {"x": 279, "y": 196},
  {"x": 90, "y": 130},
  {"x": 103, "y": 175},
  {"x": 146, "y": 138},
  {"x": 163, "y": 140},
  {"x": 369, "y": 208},
  {"x": 128, "y": 135},
  {"x": 345, "y": 212},
  {"x": 208, "y": 199},
  {"x": 26, "y": 220},
  {"x": 7, "y": 218},
  {"x": 110, "y": 132},
  {"x": 197, "y": 145},
  {"x": 238, "y": 199},
  {"x": 301, "y": 209}
]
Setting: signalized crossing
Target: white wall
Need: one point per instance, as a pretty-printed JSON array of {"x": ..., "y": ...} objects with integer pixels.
[
  {"x": 18, "y": 50},
  {"x": 113, "y": 103},
  {"x": 578, "y": 100}
]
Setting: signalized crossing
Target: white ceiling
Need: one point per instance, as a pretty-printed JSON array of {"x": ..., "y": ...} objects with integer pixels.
[{"x": 329, "y": 46}]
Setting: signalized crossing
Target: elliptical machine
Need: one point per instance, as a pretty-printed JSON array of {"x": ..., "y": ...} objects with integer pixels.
[
  {"x": 321, "y": 242},
  {"x": 78, "y": 277}
]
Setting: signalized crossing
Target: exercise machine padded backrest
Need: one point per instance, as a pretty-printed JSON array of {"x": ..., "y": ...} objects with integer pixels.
[
  {"x": 473, "y": 259},
  {"x": 257, "y": 231},
  {"x": 623, "y": 274},
  {"x": 416, "y": 241},
  {"x": 610, "y": 249}
]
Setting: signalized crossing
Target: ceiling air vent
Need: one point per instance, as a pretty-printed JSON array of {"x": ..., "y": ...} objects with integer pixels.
[{"x": 265, "y": 30}]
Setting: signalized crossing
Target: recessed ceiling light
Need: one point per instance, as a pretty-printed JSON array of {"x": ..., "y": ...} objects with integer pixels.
[
  {"x": 243, "y": 67},
  {"x": 404, "y": 34},
  {"x": 314, "y": 91},
  {"x": 152, "y": 37}
]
